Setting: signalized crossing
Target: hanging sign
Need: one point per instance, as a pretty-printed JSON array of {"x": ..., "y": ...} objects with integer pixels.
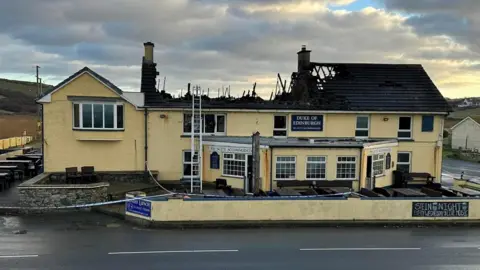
[
  {"x": 307, "y": 123},
  {"x": 214, "y": 161}
]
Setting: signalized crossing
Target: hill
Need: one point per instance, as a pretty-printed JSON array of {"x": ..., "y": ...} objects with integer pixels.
[{"x": 18, "y": 97}]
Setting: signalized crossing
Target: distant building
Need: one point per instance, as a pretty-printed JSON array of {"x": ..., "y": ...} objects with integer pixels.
[
  {"x": 468, "y": 103},
  {"x": 466, "y": 134}
]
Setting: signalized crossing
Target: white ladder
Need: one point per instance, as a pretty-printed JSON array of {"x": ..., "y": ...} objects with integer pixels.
[{"x": 196, "y": 145}]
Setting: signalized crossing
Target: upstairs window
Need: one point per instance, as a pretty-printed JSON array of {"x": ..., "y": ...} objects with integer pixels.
[
  {"x": 108, "y": 116},
  {"x": 405, "y": 127},
  {"x": 427, "y": 123},
  {"x": 362, "y": 127},
  {"x": 212, "y": 124},
  {"x": 280, "y": 126}
]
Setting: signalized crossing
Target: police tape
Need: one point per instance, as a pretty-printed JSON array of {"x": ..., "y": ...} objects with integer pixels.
[{"x": 147, "y": 198}]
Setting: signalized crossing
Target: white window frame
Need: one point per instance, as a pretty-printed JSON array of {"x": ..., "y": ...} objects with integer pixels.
[
  {"x": 362, "y": 129},
  {"x": 191, "y": 162},
  {"x": 378, "y": 158},
  {"x": 215, "y": 115},
  {"x": 80, "y": 115},
  {"x": 286, "y": 162},
  {"x": 405, "y": 130},
  {"x": 405, "y": 163},
  {"x": 280, "y": 129},
  {"x": 233, "y": 158},
  {"x": 346, "y": 162},
  {"x": 315, "y": 162}
]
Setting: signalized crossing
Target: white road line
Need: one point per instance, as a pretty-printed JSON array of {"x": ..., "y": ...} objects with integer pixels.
[
  {"x": 174, "y": 251},
  {"x": 17, "y": 256},
  {"x": 355, "y": 249}
]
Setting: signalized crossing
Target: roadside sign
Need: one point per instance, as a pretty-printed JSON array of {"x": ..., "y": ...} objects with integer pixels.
[{"x": 140, "y": 207}]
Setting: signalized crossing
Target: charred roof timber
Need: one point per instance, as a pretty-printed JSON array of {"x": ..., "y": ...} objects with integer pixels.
[{"x": 319, "y": 86}]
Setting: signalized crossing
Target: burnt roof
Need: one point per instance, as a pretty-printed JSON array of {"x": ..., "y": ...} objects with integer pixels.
[{"x": 348, "y": 87}]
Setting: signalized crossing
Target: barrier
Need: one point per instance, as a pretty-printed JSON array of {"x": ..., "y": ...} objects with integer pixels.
[
  {"x": 308, "y": 210},
  {"x": 14, "y": 142}
]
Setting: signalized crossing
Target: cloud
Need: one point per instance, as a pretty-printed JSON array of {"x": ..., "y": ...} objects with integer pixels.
[{"x": 217, "y": 43}]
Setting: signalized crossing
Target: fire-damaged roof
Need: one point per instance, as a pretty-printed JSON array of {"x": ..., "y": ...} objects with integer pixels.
[{"x": 325, "y": 86}]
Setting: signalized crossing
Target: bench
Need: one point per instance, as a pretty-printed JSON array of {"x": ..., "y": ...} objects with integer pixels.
[
  {"x": 407, "y": 192},
  {"x": 424, "y": 175},
  {"x": 4, "y": 179}
]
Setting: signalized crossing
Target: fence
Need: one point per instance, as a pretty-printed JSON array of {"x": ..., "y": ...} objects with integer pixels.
[{"x": 14, "y": 142}]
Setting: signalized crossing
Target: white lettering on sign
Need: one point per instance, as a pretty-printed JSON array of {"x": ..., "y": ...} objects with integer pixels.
[
  {"x": 381, "y": 150},
  {"x": 231, "y": 149}
]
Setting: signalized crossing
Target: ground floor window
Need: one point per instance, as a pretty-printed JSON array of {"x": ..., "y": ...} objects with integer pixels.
[
  {"x": 285, "y": 168},
  {"x": 316, "y": 167},
  {"x": 190, "y": 164},
  {"x": 234, "y": 164},
  {"x": 346, "y": 168},
  {"x": 404, "y": 161},
  {"x": 378, "y": 164}
]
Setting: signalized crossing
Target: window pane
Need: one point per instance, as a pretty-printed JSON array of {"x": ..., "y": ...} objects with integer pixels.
[
  {"x": 361, "y": 133},
  {"x": 108, "y": 116},
  {"x": 427, "y": 123},
  {"x": 280, "y": 133},
  {"x": 119, "y": 116},
  {"x": 234, "y": 164},
  {"x": 404, "y": 123},
  {"x": 220, "y": 123},
  {"x": 362, "y": 122},
  {"x": 76, "y": 115},
  {"x": 403, "y": 167},
  {"x": 280, "y": 121},
  {"x": 403, "y": 157},
  {"x": 404, "y": 134},
  {"x": 209, "y": 123},
  {"x": 187, "y": 156},
  {"x": 187, "y": 123},
  {"x": 98, "y": 115},
  {"x": 87, "y": 115}
]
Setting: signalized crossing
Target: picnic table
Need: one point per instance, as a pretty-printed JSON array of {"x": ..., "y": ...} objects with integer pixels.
[
  {"x": 4, "y": 180},
  {"x": 12, "y": 169},
  {"x": 407, "y": 192},
  {"x": 27, "y": 164}
]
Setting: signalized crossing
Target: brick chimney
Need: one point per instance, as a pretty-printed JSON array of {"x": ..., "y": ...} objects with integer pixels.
[
  {"x": 149, "y": 71},
  {"x": 303, "y": 58}
]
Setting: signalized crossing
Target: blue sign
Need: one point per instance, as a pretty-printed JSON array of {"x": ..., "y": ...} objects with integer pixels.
[
  {"x": 140, "y": 207},
  {"x": 307, "y": 122},
  {"x": 214, "y": 161}
]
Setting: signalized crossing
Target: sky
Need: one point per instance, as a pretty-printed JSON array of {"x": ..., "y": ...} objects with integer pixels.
[{"x": 217, "y": 43}]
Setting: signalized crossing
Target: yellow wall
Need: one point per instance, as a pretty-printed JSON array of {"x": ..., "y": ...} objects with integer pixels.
[
  {"x": 301, "y": 155},
  {"x": 291, "y": 210},
  {"x": 65, "y": 147},
  {"x": 386, "y": 179}
]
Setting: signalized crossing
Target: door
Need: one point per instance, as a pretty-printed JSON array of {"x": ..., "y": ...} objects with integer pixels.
[
  {"x": 249, "y": 184},
  {"x": 369, "y": 172}
]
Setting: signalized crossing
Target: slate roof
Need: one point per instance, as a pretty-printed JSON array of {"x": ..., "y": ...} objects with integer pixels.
[
  {"x": 385, "y": 87},
  {"x": 93, "y": 73}
]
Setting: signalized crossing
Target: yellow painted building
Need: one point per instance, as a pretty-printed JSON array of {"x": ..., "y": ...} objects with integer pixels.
[{"x": 355, "y": 141}]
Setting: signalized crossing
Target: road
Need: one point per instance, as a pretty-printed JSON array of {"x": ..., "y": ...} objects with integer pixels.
[
  {"x": 93, "y": 241},
  {"x": 453, "y": 168}
]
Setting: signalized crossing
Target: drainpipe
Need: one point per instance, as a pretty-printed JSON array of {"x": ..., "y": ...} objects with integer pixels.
[
  {"x": 146, "y": 142},
  {"x": 43, "y": 141},
  {"x": 271, "y": 168},
  {"x": 360, "y": 170}
]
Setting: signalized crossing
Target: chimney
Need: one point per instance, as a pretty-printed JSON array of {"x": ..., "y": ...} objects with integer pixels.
[
  {"x": 149, "y": 71},
  {"x": 148, "y": 56},
  {"x": 303, "y": 59}
]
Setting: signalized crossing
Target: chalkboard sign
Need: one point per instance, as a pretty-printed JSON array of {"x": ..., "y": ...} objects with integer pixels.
[
  {"x": 388, "y": 161},
  {"x": 214, "y": 161},
  {"x": 307, "y": 123},
  {"x": 439, "y": 209}
]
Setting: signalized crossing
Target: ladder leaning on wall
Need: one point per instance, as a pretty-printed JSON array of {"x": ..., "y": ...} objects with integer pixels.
[{"x": 196, "y": 141}]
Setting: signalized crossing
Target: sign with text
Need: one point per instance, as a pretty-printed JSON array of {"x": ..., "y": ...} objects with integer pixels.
[
  {"x": 440, "y": 209},
  {"x": 307, "y": 122},
  {"x": 231, "y": 149},
  {"x": 140, "y": 207}
]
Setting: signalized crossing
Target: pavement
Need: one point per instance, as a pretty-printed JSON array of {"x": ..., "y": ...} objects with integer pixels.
[
  {"x": 86, "y": 240},
  {"x": 452, "y": 168}
]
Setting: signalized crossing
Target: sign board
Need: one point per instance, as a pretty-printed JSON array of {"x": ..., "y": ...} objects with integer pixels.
[
  {"x": 439, "y": 209},
  {"x": 140, "y": 207},
  {"x": 214, "y": 161},
  {"x": 231, "y": 149},
  {"x": 381, "y": 150},
  {"x": 307, "y": 122}
]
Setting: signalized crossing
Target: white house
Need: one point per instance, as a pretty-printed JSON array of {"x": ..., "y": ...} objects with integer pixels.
[{"x": 466, "y": 134}]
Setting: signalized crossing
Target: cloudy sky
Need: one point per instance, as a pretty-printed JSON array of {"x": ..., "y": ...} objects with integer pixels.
[{"x": 217, "y": 43}]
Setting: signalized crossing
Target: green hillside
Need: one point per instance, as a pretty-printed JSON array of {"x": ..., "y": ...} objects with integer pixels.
[{"x": 18, "y": 97}]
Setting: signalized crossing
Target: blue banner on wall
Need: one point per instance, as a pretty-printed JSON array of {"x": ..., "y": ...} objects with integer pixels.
[
  {"x": 307, "y": 122},
  {"x": 140, "y": 207}
]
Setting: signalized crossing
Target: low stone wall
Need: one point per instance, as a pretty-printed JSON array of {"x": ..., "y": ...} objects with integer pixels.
[
  {"x": 33, "y": 194},
  {"x": 110, "y": 177}
]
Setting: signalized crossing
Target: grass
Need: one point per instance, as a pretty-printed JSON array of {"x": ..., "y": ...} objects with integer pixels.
[{"x": 460, "y": 114}]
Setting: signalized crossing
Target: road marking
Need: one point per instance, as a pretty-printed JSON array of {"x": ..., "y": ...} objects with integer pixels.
[
  {"x": 17, "y": 256},
  {"x": 173, "y": 251},
  {"x": 354, "y": 249}
]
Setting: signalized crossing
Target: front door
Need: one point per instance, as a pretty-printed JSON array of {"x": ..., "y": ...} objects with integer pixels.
[
  {"x": 369, "y": 172},
  {"x": 249, "y": 184}
]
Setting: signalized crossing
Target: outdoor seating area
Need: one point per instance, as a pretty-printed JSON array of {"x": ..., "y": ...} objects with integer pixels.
[
  {"x": 86, "y": 175},
  {"x": 19, "y": 168}
]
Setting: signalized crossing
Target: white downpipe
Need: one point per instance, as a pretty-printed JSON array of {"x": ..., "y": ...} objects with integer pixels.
[
  {"x": 200, "y": 151},
  {"x": 192, "y": 153}
]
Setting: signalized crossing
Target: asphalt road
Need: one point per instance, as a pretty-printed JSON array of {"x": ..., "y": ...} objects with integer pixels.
[
  {"x": 453, "y": 168},
  {"x": 91, "y": 241}
]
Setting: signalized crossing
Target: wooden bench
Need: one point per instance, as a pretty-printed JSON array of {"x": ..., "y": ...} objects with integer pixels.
[{"x": 407, "y": 192}]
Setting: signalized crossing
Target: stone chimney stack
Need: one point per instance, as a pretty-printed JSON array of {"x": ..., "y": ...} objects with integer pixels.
[
  {"x": 148, "y": 56},
  {"x": 303, "y": 59},
  {"x": 149, "y": 72}
]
